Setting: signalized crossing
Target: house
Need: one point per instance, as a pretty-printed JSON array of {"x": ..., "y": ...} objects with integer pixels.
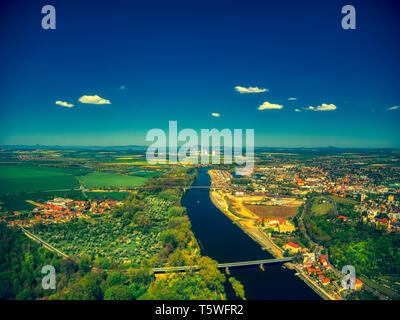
[
  {"x": 323, "y": 260},
  {"x": 292, "y": 247},
  {"x": 343, "y": 218},
  {"x": 326, "y": 281},
  {"x": 308, "y": 259},
  {"x": 311, "y": 270},
  {"x": 384, "y": 223},
  {"x": 358, "y": 285}
]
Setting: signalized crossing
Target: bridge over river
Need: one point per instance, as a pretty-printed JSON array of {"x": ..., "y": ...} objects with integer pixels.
[
  {"x": 205, "y": 187},
  {"x": 226, "y": 266}
]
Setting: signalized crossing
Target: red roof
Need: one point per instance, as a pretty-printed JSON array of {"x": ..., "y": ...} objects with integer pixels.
[{"x": 293, "y": 245}]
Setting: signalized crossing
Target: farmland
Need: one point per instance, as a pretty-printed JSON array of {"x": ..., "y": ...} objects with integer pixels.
[
  {"x": 110, "y": 180},
  {"x": 273, "y": 211},
  {"x": 27, "y": 178}
]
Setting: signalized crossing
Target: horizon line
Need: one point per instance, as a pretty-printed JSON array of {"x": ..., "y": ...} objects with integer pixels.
[{"x": 6, "y": 146}]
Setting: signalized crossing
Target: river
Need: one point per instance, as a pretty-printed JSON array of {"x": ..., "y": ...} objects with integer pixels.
[{"x": 222, "y": 240}]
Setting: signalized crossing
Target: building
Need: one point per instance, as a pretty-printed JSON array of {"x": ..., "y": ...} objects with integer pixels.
[
  {"x": 358, "y": 285},
  {"x": 323, "y": 260},
  {"x": 391, "y": 198},
  {"x": 292, "y": 247},
  {"x": 383, "y": 223},
  {"x": 286, "y": 228}
]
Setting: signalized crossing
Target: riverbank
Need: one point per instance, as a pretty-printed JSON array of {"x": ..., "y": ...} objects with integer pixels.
[
  {"x": 246, "y": 226},
  {"x": 252, "y": 230}
]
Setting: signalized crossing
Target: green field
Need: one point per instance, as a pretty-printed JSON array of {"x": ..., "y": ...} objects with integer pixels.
[
  {"x": 26, "y": 178},
  {"x": 321, "y": 206},
  {"x": 110, "y": 180},
  {"x": 342, "y": 200}
]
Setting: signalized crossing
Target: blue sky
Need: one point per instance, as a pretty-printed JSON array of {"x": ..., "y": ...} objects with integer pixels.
[{"x": 182, "y": 61}]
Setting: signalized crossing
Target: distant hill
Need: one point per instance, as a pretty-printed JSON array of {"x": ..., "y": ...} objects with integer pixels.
[{"x": 57, "y": 147}]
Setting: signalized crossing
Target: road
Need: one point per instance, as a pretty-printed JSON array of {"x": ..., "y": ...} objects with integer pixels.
[{"x": 44, "y": 243}]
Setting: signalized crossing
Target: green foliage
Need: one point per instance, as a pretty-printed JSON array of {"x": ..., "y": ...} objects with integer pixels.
[
  {"x": 21, "y": 264},
  {"x": 146, "y": 228},
  {"x": 237, "y": 287},
  {"x": 118, "y": 293},
  {"x": 205, "y": 285},
  {"x": 85, "y": 263},
  {"x": 371, "y": 251},
  {"x": 176, "y": 211},
  {"x": 172, "y": 195}
]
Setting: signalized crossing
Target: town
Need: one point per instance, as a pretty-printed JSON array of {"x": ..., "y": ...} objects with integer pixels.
[
  {"x": 61, "y": 210},
  {"x": 282, "y": 207}
]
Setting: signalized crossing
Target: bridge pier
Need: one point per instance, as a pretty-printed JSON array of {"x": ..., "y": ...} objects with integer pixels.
[
  {"x": 262, "y": 267},
  {"x": 227, "y": 271}
]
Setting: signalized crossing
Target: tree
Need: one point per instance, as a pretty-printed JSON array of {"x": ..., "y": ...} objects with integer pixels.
[
  {"x": 176, "y": 211},
  {"x": 211, "y": 275},
  {"x": 116, "y": 278},
  {"x": 118, "y": 292},
  {"x": 85, "y": 263},
  {"x": 237, "y": 287}
]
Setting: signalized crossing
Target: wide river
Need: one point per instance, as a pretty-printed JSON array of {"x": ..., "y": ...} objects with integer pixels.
[{"x": 224, "y": 241}]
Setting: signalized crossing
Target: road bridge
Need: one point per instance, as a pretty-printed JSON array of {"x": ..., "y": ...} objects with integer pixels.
[{"x": 241, "y": 264}]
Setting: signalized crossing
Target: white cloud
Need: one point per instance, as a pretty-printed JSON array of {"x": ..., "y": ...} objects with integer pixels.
[
  {"x": 94, "y": 100},
  {"x": 214, "y": 114},
  {"x": 297, "y": 110},
  {"x": 393, "y": 108},
  {"x": 323, "y": 107},
  {"x": 249, "y": 89},
  {"x": 64, "y": 104},
  {"x": 292, "y": 99},
  {"x": 268, "y": 106}
]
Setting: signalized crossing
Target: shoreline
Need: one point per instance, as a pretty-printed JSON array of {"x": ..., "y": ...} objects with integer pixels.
[{"x": 267, "y": 244}]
